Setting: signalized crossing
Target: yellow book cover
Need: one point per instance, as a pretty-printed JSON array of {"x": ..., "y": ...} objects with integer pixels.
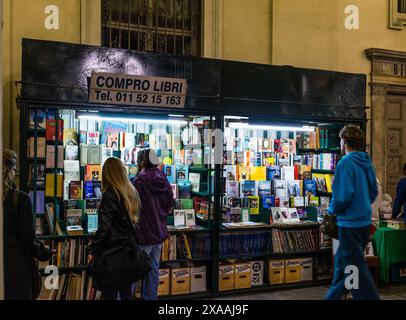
[
  {"x": 49, "y": 185},
  {"x": 188, "y": 253},
  {"x": 165, "y": 251},
  {"x": 329, "y": 182},
  {"x": 258, "y": 173},
  {"x": 244, "y": 173},
  {"x": 70, "y": 137},
  {"x": 253, "y": 204}
]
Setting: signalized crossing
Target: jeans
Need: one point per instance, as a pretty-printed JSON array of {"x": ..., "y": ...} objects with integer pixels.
[
  {"x": 125, "y": 294},
  {"x": 151, "y": 281},
  {"x": 350, "y": 252}
]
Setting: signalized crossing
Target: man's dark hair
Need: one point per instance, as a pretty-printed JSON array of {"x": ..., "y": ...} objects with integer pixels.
[{"x": 353, "y": 137}]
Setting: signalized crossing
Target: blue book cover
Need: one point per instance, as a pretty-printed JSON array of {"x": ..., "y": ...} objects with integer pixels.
[
  {"x": 170, "y": 172},
  {"x": 264, "y": 188},
  {"x": 184, "y": 189},
  {"x": 268, "y": 202},
  {"x": 273, "y": 172},
  {"x": 248, "y": 188},
  {"x": 182, "y": 173},
  {"x": 92, "y": 223},
  {"x": 309, "y": 187},
  {"x": 93, "y": 189},
  {"x": 112, "y": 127}
]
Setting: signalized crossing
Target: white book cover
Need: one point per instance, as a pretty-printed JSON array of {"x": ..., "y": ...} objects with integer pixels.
[
  {"x": 179, "y": 218},
  {"x": 245, "y": 215},
  {"x": 288, "y": 173},
  {"x": 71, "y": 152},
  {"x": 294, "y": 216},
  {"x": 106, "y": 153},
  {"x": 276, "y": 215},
  {"x": 93, "y": 138},
  {"x": 232, "y": 189},
  {"x": 280, "y": 188},
  {"x": 230, "y": 172},
  {"x": 285, "y": 214},
  {"x": 66, "y": 190},
  {"x": 194, "y": 179},
  {"x": 299, "y": 202},
  {"x": 71, "y": 170},
  {"x": 190, "y": 217},
  {"x": 284, "y": 202}
]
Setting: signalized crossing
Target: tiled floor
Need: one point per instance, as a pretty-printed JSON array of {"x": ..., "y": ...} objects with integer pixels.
[{"x": 397, "y": 292}]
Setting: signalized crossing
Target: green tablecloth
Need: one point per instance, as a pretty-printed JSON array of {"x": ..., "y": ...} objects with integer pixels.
[{"x": 390, "y": 246}]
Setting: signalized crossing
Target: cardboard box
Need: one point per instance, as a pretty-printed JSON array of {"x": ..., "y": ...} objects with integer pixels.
[
  {"x": 198, "y": 279},
  {"x": 292, "y": 270},
  {"x": 276, "y": 272},
  {"x": 226, "y": 277},
  {"x": 257, "y": 273},
  {"x": 242, "y": 278},
  {"x": 306, "y": 269},
  {"x": 180, "y": 281},
  {"x": 164, "y": 282}
]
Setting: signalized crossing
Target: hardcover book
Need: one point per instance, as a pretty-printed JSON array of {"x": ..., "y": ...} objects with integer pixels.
[
  {"x": 93, "y": 172},
  {"x": 268, "y": 202},
  {"x": 50, "y": 159},
  {"x": 40, "y": 179},
  {"x": 258, "y": 173},
  {"x": 194, "y": 179},
  {"x": 51, "y": 134},
  {"x": 37, "y": 117},
  {"x": 264, "y": 188},
  {"x": 253, "y": 204},
  {"x": 71, "y": 152},
  {"x": 93, "y": 190},
  {"x": 40, "y": 147},
  {"x": 182, "y": 173},
  {"x": 243, "y": 173},
  {"x": 184, "y": 189},
  {"x": 50, "y": 186},
  {"x": 294, "y": 216},
  {"x": 71, "y": 170},
  {"x": 276, "y": 215},
  {"x": 76, "y": 190},
  {"x": 273, "y": 172},
  {"x": 309, "y": 188},
  {"x": 93, "y": 138},
  {"x": 294, "y": 188},
  {"x": 179, "y": 218},
  {"x": 230, "y": 172},
  {"x": 70, "y": 137},
  {"x": 280, "y": 188},
  {"x": 248, "y": 188},
  {"x": 232, "y": 189},
  {"x": 170, "y": 172},
  {"x": 82, "y": 137}
]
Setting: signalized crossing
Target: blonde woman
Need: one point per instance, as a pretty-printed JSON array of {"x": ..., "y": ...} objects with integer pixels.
[
  {"x": 120, "y": 200},
  {"x": 21, "y": 279}
]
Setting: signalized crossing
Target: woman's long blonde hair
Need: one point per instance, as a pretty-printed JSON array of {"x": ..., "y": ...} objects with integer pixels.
[{"x": 115, "y": 177}]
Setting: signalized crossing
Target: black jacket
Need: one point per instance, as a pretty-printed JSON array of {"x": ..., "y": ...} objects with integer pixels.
[
  {"x": 20, "y": 247},
  {"x": 113, "y": 226}
]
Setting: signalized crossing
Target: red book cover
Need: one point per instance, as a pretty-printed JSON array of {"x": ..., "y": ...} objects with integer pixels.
[
  {"x": 297, "y": 170},
  {"x": 277, "y": 202},
  {"x": 51, "y": 130}
]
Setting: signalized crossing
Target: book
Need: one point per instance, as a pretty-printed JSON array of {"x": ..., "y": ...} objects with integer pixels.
[
  {"x": 50, "y": 217},
  {"x": 230, "y": 172},
  {"x": 309, "y": 187},
  {"x": 186, "y": 204},
  {"x": 182, "y": 173},
  {"x": 194, "y": 179},
  {"x": 276, "y": 215},
  {"x": 170, "y": 172},
  {"x": 269, "y": 159},
  {"x": 298, "y": 201},
  {"x": 243, "y": 173},
  {"x": 105, "y": 154},
  {"x": 39, "y": 226},
  {"x": 51, "y": 133},
  {"x": 70, "y": 137},
  {"x": 294, "y": 188},
  {"x": 285, "y": 214},
  {"x": 284, "y": 202},
  {"x": 93, "y": 172},
  {"x": 175, "y": 190},
  {"x": 50, "y": 187},
  {"x": 280, "y": 188},
  {"x": 50, "y": 158},
  {"x": 273, "y": 172},
  {"x": 313, "y": 201},
  {"x": 258, "y": 173},
  {"x": 93, "y": 190},
  {"x": 40, "y": 147},
  {"x": 111, "y": 127},
  {"x": 40, "y": 201},
  {"x": 71, "y": 170},
  {"x": 82, "y": 137},
  {"x": 37, "y": 119},
  {"x": 184, "y": 190},
  {"x": 268, "y": 201},
  {"x": 266, "y": 144},
  {"x": 76, "y": 190},
  {"x": 232, "y": 189},
  {"x": 288, "y": 173},
  {"x": 93, "y": 138},
  {"x": 179, "y": 218},
  {"x": 253, "y": 204},
  {"x": 248, "y": 188},
  {"x": 92, "y": 222},
  {"x": 294, "y": 216},
  {"x": 245, "y": 214},
  {"x": 71, "y": 152},
  {"x": 190, "y": 217},
  {"x": 112, "y": 141},
  {"x": 39, "y": 180},
  {"x": 74, "y": 230},
  {"x": 264, "y": 188}
]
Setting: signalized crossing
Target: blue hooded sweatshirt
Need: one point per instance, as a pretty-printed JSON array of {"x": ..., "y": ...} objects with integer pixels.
[{"x": 354, "y": 189}]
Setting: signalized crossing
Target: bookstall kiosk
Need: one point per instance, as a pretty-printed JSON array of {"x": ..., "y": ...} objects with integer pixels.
[{"x": 238, "y": 245}]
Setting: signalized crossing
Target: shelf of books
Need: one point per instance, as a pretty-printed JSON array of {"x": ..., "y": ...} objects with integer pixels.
[
  {"x": 271, "y": 193},
  {"x": 65, "y": 154},
  {"x": 270, "y": 235}
]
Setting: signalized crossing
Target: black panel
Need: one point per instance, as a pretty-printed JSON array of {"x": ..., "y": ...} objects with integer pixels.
[{"x": 58, "y": 72}]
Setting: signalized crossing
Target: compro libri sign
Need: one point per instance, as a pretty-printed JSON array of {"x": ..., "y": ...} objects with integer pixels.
[{"x": 111, "y": 88}]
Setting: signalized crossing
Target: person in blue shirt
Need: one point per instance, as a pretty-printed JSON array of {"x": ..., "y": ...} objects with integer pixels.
[
  {"x": 354, "y": 190},
  {"x": 400, "y": 200}
]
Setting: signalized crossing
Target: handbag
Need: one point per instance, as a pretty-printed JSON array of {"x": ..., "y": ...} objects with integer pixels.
[
  {"x": 122, "y": 265},
  {"x": 329, "y": 226}
]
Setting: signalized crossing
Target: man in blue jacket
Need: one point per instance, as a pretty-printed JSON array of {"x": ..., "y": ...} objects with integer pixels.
[
  {"x": 354, "y": 189},
  {"x": 400, "y": 200}
]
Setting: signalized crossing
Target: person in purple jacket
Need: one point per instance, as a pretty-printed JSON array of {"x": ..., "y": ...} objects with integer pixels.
[{"x": 156, "y": 202}]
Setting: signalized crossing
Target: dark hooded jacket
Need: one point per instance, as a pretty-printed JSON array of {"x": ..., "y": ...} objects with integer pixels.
[
  {"x": 354, "y": 190},
  {"x": 156, "y": 202}
]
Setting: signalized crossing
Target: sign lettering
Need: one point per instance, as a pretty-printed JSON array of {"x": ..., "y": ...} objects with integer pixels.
[{"x": 123, "y": 89}]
